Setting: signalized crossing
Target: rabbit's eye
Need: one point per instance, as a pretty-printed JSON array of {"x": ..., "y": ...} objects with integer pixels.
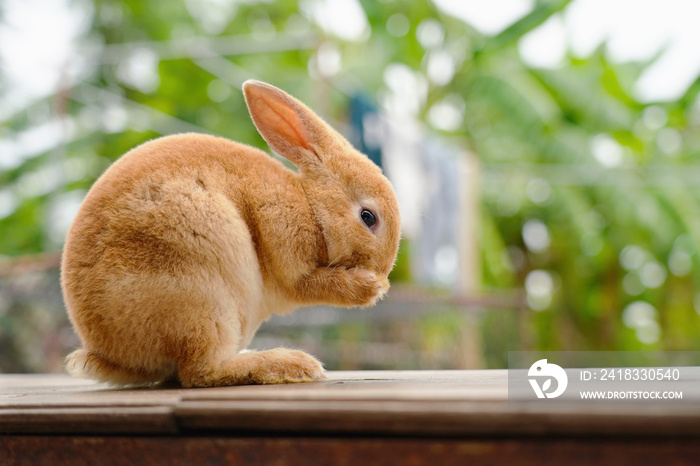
[{"x": 368, "y": 217}]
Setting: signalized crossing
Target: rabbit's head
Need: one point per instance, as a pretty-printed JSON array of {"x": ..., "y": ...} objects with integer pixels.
[{"x": 353, "y": 203}]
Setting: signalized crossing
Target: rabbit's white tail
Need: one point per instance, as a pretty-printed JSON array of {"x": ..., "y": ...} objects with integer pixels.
[{"x": 86, "y": 364}]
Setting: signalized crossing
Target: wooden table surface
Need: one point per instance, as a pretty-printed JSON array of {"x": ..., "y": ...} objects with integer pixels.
[{"x": 388, "y": 415}]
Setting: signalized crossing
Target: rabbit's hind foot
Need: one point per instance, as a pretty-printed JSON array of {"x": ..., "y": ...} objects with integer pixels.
[{"x": 275, "y": 366}]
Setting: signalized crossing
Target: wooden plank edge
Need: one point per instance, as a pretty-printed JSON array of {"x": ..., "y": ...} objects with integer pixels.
[
  {"x": 106, "y": 450},
  {"x": 115, "y": 420},
  {"x": 402, "y": 419}
]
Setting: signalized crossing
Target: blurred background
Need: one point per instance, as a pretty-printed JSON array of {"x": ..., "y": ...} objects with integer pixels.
[{"x": 546, "y": 156}]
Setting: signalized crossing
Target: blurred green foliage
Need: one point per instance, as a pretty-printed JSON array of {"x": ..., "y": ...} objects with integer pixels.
[{"x": 589, "y": 197}]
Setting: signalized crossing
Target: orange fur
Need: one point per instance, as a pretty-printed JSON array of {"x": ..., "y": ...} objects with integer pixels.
[{"x": 187, "y": 243}]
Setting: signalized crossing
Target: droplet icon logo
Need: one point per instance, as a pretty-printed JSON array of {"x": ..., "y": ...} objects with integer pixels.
[{"x": 545, "y": 372}]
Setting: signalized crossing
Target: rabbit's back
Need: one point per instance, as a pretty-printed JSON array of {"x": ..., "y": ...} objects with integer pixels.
[{"x": 167, "y": 202}]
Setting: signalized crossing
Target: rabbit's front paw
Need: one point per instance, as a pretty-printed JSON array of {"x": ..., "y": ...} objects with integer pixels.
[{"x": 367, "y": 286}]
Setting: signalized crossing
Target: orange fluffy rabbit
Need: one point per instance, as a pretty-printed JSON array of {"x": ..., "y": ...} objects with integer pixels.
[{"x": 187, "y": 243}]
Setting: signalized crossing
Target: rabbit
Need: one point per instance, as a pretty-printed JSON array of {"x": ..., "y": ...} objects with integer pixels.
[{"x": 188, "y": 242}]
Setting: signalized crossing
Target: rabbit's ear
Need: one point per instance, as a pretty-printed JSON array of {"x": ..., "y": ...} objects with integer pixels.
[{"x": 288, "y": 126}]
